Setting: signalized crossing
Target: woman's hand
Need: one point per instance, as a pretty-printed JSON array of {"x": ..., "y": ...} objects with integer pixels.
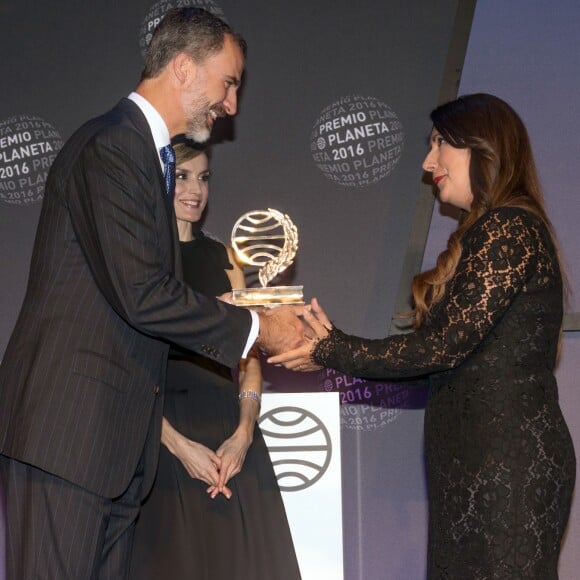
[
  {"x": 202, "y": 463},
  {"x": 232, "y": 453},
  {"x": 199, "y": 461},
  {"x": 318, "y": 327}
]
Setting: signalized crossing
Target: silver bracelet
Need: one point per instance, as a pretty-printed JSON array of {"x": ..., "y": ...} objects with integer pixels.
[{"x": 250, "y": 395}]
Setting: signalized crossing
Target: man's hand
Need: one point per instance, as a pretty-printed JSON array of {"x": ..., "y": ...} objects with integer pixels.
[
  {"x": 281, "y": 329},
  {"x": 318, "y": 327}
]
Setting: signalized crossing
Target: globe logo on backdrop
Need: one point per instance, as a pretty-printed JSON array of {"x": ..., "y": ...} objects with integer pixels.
[
  {"x": 299, "y": 444},
  {"x": 28, "y": 146},
  {"x": 357, "y": 141},
  {"x": 158, "y": 11}
]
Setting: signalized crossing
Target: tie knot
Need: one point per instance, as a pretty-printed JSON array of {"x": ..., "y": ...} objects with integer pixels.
[{"x": 167, "y": 154}]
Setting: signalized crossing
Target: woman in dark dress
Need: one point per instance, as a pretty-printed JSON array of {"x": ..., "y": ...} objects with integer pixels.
[
  {"x": 487, "y": 319},
  {"x": 215, "y": 511}
]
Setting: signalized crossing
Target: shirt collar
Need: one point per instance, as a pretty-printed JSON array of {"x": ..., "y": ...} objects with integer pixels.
[{"x": 155, "y": 121}]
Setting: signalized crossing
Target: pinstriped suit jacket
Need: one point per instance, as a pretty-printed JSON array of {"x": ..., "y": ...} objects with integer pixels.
[{"x": 79, "y": 383}]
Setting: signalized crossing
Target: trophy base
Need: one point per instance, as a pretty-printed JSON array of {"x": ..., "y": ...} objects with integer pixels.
[{"x": 268, "y": 297}]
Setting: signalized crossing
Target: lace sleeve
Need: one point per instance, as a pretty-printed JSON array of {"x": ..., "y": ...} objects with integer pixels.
[{"x": 499, "y": 255}]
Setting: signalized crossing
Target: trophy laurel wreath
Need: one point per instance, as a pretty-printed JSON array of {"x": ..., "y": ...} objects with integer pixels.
[{"x": 267, "y": 239}]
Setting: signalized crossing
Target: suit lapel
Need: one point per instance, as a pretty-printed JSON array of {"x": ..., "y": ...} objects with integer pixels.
[{"x": 136, "y": 117}]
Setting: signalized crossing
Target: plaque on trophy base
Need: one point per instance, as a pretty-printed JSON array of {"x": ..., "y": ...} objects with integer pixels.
[
  {"x": 274, "y": 296},
  {"x": 269, "y": 240}
]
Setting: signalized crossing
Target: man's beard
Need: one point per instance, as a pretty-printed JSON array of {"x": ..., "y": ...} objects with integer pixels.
[
  {"x": 197, "y": 128},
  {"x": 197, "y": 110},
  {"x": 199, "y": 135}
]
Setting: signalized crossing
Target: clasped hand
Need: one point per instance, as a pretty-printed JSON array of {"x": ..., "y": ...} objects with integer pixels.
[
  {"x": 213, "y": 468},
  {"x": 290, "y": 333},
  {"x": 231, "y": 456},
  {"x": 317, "y": 326}
]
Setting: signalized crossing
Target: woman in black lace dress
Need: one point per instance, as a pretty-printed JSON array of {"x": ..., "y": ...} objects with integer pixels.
[
  {"x": 215, "y": 511},
  {"x": 487, "y": 319}
]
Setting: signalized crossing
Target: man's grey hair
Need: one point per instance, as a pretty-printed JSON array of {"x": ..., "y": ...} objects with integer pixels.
[{"x": 191, "y": 30}]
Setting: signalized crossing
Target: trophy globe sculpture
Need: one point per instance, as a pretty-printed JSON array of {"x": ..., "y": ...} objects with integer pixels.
[{"x": 268, "y": 240}]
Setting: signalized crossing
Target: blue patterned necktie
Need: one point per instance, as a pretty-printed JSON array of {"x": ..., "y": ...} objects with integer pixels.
[{"x": 168, "y": 158}]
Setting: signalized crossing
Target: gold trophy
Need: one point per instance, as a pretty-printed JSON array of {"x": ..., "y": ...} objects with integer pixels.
[{"x": 268, "y": 240}]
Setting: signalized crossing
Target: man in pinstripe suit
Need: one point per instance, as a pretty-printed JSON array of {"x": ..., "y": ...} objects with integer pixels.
[{"x": 81, "y": 382}]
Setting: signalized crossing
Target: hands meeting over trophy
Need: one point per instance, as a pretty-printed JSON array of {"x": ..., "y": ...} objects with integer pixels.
[
  {"x": 317, "y": 327},
  {"x": 281, "y": 329},
  {"x": 289, "y": 333}
]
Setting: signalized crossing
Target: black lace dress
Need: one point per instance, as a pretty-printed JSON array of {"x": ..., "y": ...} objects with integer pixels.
[
  {"x": 500, "y": 460},
  {"x": 182, "y": 534}
]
